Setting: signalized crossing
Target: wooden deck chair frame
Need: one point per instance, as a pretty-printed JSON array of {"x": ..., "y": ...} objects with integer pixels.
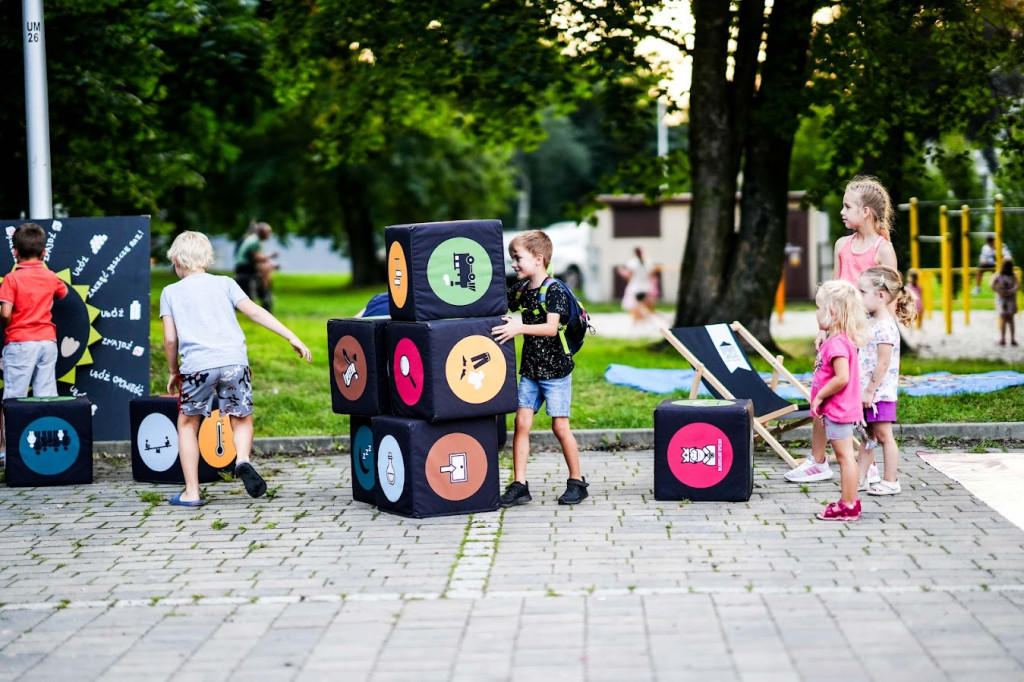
[{"x": 761, "y": 422}]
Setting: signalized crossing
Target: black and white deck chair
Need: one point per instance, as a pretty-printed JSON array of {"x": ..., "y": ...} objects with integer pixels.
[{"x": 721, "y": 364}]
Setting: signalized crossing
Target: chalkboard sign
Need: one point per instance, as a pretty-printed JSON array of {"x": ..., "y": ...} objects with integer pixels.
[{"x": 103, "y": 322}]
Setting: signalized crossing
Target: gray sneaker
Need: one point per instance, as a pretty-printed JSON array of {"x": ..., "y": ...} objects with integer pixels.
[
  {"x": 575, "y": 491},
  {"x": 516, "y": 493}
]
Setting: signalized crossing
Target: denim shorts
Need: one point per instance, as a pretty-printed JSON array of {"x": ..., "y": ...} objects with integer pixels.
[
  {"x": 556, "y": 392},
  {"x": 837, "y": 430},
  {"x": 230, "y": 386},
  {"x": 30, "y": 363}
]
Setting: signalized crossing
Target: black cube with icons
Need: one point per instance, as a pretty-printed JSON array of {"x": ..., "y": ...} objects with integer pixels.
[
  {"x": 450, "y": 369},
  {"x": 426, "y": 469},
  {"x": 364, "y": 464},
  {"x": 49, "y": 441},
  {"x": 447, "y": 269},
  {"x": 703, "y": 450},
  {"x": 359, "y": 365},
  {"x": 154, "y": 442}
]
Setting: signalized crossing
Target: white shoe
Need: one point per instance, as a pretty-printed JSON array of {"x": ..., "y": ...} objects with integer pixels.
[
  {"x": 809, "y": 472},
  {"x": 864, "y": 484},
  {"x": 885, "y": 488}
]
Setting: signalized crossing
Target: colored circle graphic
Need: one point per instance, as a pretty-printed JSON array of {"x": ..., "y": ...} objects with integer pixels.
[
  {"x": 350, "y": 369},
  {"x": 699, "y": 455},
  {"x": 408, "y": 371},
  {"x": 157, "y": 439},
  {"x": 391, "y": 468},
  {"x": 456, "y": 466},
  {"x": 398, "y": 274},
  {"x": 703, "y": 402},
  {"x": 49, "y": 445},
  {"x": 362, "y": 457},
  {"x": 475, "y": 369},
  {"x": 459, "y": 271},
  {"x": 216, "y": 446}
]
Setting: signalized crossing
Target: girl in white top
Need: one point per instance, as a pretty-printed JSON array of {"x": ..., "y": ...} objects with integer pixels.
[{"x": 883, "y": 292}]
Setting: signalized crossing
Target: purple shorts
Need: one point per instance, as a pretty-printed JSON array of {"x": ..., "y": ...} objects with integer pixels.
[{"x": 885, "y": 411}]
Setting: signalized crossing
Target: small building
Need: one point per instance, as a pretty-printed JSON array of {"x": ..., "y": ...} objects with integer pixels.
[{"x": 661, "y": 229}]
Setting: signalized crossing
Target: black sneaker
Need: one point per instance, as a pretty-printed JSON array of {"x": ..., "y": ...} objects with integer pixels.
[
  {"x": 516, "y": 493},
  {"x": 575, "y": 491},
  {"x": 254, "y": 483}
]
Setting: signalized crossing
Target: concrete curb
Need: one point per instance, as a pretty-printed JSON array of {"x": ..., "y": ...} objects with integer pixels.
[{"x": 615, "y": 439}]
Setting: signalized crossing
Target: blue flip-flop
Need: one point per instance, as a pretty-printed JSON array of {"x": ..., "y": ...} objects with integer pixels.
[{"x": 178, "y": 502}]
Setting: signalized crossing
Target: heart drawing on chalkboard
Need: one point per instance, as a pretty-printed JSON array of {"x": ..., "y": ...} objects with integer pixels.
[{"x": 68, "y": 346}]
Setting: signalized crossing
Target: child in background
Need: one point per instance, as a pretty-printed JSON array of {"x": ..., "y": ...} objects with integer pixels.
[
  {"x": 1006, "y": 285},
  {"x": 914, "y": 287},
  {"x": 199, "y": 322},
  {"x": 26, "y": 301},
  {"x": 867, "y": 211},
  {"x": 545, "y": 367},
  {"x": 880, "y": 288},
  {"x": 835, "y": 387}
]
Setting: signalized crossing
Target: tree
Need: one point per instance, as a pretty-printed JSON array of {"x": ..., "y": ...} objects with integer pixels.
[
  {"x": 137, "y": 104},
  {"x": 892, "y": 76}
]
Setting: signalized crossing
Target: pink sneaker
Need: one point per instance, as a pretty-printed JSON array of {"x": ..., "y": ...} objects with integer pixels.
[{"x": 840, "y": 511}]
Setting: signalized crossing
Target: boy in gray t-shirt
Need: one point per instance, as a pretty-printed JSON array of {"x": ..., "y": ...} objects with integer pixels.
[{"x": 199, "y": 321}]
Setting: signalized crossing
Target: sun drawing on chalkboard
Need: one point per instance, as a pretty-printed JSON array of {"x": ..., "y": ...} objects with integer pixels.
[{"x": 75, "y": 333}]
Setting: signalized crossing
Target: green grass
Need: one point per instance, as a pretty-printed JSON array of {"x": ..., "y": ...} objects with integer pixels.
[{"x": 293, "y": 398}]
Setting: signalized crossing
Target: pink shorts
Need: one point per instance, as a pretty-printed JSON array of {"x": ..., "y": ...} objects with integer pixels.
[{"x": 885, "y": 411}]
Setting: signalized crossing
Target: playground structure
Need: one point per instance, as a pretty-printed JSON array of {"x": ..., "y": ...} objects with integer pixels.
[{"x": 946, "y": 273}]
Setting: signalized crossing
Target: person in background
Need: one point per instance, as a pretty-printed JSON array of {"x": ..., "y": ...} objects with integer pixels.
[
  {"x": 637, "y": 295},
  {"x": 1006, "y": 285},
  {"x": 254, "y": 269},
  {"x": 987, "y": 260}
]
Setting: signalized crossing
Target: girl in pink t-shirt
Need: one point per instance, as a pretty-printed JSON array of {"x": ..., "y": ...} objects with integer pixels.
[{"x": 835, "y": 386}]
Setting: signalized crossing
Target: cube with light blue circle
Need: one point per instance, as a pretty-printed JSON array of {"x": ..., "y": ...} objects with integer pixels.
[{"x": 49, "y": 441}]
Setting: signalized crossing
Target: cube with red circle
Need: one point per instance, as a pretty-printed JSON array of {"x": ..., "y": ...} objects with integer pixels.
[
  {"x": 450, "y": 369},
  {"x": 703, "y": 450}
]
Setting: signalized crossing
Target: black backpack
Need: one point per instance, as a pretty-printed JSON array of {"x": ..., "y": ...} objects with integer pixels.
[{"x": 575, "y": 330}]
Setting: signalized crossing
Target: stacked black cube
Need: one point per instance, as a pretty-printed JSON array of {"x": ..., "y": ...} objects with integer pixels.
[{"x": 428, "y": 388}]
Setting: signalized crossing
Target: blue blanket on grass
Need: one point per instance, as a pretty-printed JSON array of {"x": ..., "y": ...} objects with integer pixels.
[{"x": 935, "y": 383}]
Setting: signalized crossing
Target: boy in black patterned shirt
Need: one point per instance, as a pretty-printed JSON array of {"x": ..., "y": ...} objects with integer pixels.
[{"x": 545, "y": 367}]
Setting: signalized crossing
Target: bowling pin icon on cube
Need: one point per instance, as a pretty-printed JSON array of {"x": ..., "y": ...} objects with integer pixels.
[
  {"x": 703, "y": 450},
  {"x": 359, "y": 366},
  {"x": 447, "y": 269},
  {"x": 49, "y": 441},
  {"x": 450, "y": 369},
  {"x": 364, "y": 463},
  {"x": 426, "y": 469}
]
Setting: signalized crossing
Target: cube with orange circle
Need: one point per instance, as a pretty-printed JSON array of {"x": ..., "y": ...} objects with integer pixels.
[
  {"x": 426, "y": 469},
  {"x": 358, "y": 354},
  {"x": 445, "y": 269},
  {"x": 154, "y": 442}
]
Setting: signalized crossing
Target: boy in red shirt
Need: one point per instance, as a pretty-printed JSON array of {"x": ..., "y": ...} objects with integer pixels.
[{"x": 26, "y": 300}]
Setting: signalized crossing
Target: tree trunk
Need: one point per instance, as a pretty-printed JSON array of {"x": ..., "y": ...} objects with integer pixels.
[
  {"x": 359, "y": 228},
  {"x": 759, "y": 259},
  {"x": 729, "y": 274}
]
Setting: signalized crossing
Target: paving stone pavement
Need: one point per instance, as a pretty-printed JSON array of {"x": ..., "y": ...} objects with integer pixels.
[{"x": 98, "y": 582}]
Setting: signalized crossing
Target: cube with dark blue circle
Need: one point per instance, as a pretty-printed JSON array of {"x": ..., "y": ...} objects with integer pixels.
[
  {"x": 447, "y": 269},
  {"x": 358, "y": 352},
  {"x": 450, "y": 369},
  {"x": 703, "y": 450},
  {"x": 49, "y": 441},
  {"x": 426, "y": 469}
]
